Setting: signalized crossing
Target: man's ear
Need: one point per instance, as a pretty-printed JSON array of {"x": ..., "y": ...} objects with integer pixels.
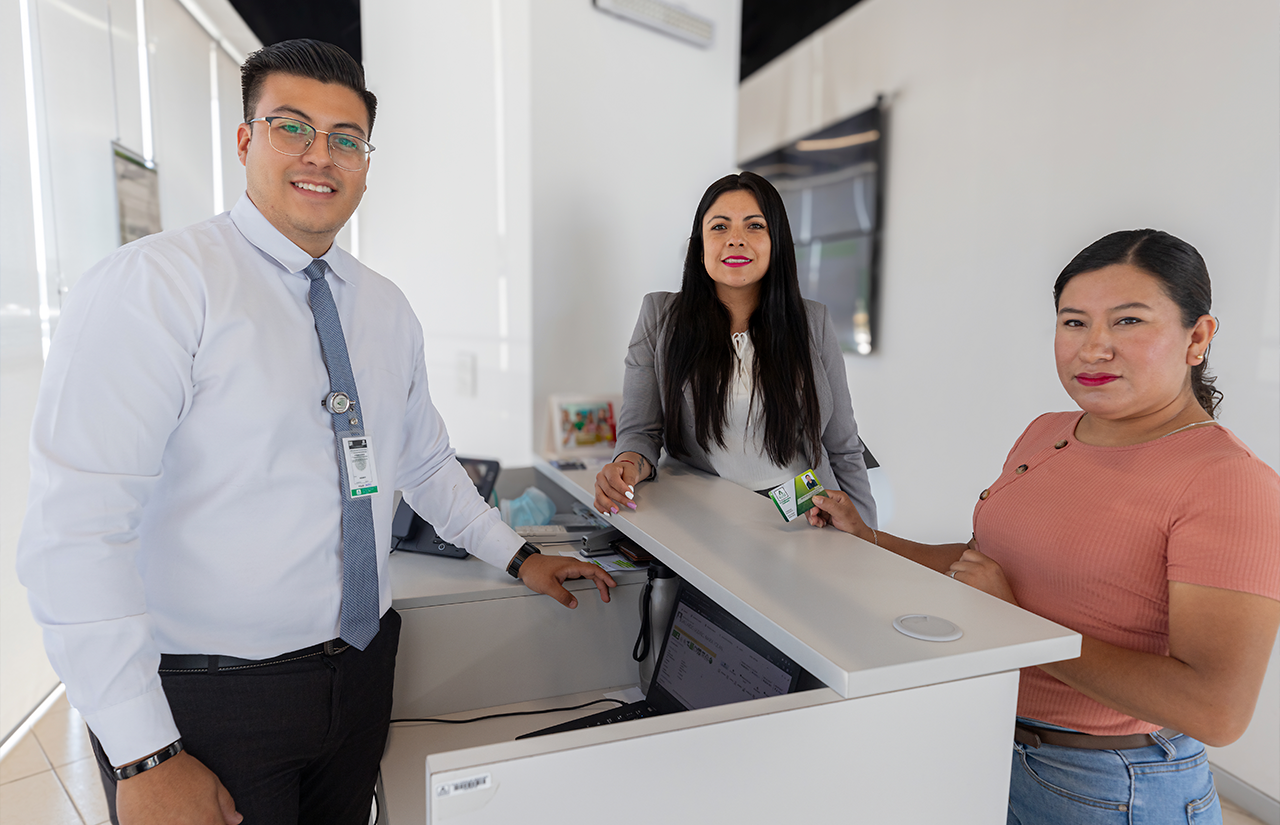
[{"x": 243, "y": 133}]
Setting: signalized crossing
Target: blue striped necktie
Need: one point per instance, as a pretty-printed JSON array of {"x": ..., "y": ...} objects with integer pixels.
[{"x": 360, "y": 603}]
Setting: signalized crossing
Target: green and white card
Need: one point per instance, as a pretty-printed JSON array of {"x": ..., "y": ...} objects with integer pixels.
[{"x": 795, "y": 497}]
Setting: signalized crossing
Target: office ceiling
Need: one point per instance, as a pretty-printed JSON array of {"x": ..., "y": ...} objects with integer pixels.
[
  {"x": 769, "y": 27},
  {"x": 334, "y": 21}
]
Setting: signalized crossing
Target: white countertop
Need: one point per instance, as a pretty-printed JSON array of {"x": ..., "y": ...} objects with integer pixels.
[
  {"x": 824, "y": 597},
  {"x": 419, "y": 580}
]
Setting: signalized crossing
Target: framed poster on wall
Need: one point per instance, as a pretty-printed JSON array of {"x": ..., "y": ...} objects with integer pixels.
[{"x": 137, "y": 194}]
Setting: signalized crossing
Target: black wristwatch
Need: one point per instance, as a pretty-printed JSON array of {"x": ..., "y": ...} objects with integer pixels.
[
  {"x": 525, "y": 551},
  {"x": 147, "y": 764}
]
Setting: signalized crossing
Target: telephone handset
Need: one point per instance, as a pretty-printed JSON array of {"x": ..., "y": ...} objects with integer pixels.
[{"x": 411, "y": 533}]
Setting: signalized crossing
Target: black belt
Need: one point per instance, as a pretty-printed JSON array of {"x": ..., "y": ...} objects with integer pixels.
[{"x": 191, "y": 663}]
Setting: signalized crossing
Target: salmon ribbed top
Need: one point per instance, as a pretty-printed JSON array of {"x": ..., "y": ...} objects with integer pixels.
[{"x": 1090, "y": 537}]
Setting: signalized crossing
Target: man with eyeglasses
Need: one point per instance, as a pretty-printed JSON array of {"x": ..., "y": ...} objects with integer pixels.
[{"x": 225, "y": 412}]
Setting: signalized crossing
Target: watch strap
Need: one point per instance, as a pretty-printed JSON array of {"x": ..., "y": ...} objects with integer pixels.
[
  {"x": 150, "y": 762},
  {"x": 526, "y": 550}
]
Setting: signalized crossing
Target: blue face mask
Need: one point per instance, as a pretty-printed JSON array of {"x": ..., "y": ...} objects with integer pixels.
[{"x": 532, "y": 508}]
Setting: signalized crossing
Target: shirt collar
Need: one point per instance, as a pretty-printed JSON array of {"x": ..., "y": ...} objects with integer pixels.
[{"x": 259, "y": 231}]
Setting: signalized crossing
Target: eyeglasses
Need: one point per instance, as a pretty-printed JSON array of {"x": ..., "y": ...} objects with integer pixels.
[{"x": 293, "y": 137}]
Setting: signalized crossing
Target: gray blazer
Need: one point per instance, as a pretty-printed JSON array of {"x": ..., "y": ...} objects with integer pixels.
[{"x": 640, "y": 425}]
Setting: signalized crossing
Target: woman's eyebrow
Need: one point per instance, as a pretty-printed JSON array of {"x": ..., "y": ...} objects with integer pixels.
[
  {"x": 727, "y": 218},
  {"x": 1119, "y": 308}
]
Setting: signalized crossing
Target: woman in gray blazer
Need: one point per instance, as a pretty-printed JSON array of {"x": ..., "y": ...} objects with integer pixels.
[{"x": 737, "y": 374}]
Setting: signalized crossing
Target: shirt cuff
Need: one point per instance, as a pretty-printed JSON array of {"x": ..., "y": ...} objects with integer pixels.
[
  {"x": 135, "y": 729},
  {"x": 498, "y": 545}
]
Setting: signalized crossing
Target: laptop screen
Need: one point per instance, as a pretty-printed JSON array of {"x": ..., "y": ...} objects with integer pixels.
[{"x": 710, "y": 658}]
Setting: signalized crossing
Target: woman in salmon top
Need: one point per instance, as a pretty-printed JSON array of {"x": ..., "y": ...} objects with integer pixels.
[{"x": 1144, "y": 525}]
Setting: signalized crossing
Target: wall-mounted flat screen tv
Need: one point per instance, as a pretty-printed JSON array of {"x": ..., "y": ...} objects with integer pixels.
[{"x": 831, "y": 184}]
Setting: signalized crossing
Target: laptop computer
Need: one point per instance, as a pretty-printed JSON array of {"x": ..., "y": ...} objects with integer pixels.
[{"x": 708, "y": 658}]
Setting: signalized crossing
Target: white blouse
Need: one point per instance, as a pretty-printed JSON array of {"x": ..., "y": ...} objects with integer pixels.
[{"x": 743, "y": 459}]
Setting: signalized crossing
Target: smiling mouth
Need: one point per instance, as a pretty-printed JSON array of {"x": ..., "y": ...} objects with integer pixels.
[
  {"x": 314, "y": 187},
  {"x": 736, "y": 261}
]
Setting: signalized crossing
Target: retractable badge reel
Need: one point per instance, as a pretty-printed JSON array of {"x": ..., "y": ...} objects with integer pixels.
[{"x": 337, "y": 402}]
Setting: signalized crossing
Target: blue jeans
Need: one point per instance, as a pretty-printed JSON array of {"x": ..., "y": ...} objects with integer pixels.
[{"x": 1160, "y": 784}]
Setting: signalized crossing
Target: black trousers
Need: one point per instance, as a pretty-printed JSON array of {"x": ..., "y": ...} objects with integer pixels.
[{"x": 297, "y": 742}]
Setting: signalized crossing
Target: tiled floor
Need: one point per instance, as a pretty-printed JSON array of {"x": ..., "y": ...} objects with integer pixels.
[{"x": 51, "y": 778}]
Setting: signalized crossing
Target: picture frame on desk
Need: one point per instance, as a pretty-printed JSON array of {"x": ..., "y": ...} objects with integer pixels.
[{"x": 582, "y": 425}]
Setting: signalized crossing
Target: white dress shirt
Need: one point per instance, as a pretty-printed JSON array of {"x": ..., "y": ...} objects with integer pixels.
[
  {"x": 184, "y": 480},
  {"x": 743, "y": 460}
]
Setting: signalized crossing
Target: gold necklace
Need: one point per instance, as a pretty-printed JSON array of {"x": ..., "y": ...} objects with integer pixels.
[{"x": 1187, "y": 427}]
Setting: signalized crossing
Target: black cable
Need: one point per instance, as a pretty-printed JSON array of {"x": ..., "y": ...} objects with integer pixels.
[
  {"x": 640, "y": 650},
  {"x": 512, "y": 713}
]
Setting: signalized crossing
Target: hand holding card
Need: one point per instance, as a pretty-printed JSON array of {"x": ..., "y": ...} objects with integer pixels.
[{"x": 795, "y": 497}]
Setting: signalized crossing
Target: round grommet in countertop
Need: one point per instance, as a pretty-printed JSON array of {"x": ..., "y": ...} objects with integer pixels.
[{"x": 926, "y": 627}]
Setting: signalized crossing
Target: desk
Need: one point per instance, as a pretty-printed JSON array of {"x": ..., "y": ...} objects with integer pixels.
[{"x": 906, "y": 731}]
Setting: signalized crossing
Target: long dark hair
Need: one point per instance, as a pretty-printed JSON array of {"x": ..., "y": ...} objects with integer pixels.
[
  {"x": 699, "y": 351},
  {"x": 1181, "y": 272}
]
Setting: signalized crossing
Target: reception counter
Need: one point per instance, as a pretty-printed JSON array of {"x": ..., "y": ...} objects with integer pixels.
[{"x": 905, "y": 730}]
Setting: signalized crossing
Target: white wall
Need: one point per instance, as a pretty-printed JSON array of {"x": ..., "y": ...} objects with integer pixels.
[
  {"x": 1019, "y": 133},
  {"x": 440, "y": 219},
  {"x": 25, "y": 675},
  {"x": 629, "y": 128},
  {"x": 536, "y": 172},
  {"x": 85, "y": 92}
]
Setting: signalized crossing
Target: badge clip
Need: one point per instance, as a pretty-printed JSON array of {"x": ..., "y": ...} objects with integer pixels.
[{"x": 337, "y": 402}]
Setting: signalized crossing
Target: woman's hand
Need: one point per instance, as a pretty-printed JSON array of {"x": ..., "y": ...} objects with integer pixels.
[
  {"x": 836, "y": 508},
  {"x": 981, "y": 572},
  {"x": 616, "y": 483}
]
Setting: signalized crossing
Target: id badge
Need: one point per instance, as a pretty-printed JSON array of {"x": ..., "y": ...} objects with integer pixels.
[
  {"x": 795, "y": 497},
  {"x": 362, "y": 476}
]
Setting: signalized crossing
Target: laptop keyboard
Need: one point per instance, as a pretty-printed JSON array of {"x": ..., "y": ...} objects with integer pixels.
[
  {"x": 624, "y": 714},
  {"x": 635, "y": 710}
]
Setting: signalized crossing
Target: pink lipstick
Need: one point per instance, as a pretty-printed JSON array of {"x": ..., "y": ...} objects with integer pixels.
[
  {"x": 1096, "y": 379},
  {"x": 736, "y": 262}
]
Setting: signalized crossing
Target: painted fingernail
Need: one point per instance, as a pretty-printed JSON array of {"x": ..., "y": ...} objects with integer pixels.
[
  {"x": 613, "y": 510},
  {"x": 629, "y": 494},
  {"x": 631, "y": 487},
  {"x": 631, "y": 504}
]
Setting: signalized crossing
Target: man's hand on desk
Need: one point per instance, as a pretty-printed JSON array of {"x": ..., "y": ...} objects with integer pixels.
[
  {"x": 547, "y": 575},
  {"x": 178, "y": 791}
]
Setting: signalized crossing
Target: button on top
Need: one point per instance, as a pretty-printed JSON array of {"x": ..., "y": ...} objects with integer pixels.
[
  {"x": 983, "y": 495},
  {"x": 1060, "y": 444},
  {"x": 1022, "y": 468}
]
